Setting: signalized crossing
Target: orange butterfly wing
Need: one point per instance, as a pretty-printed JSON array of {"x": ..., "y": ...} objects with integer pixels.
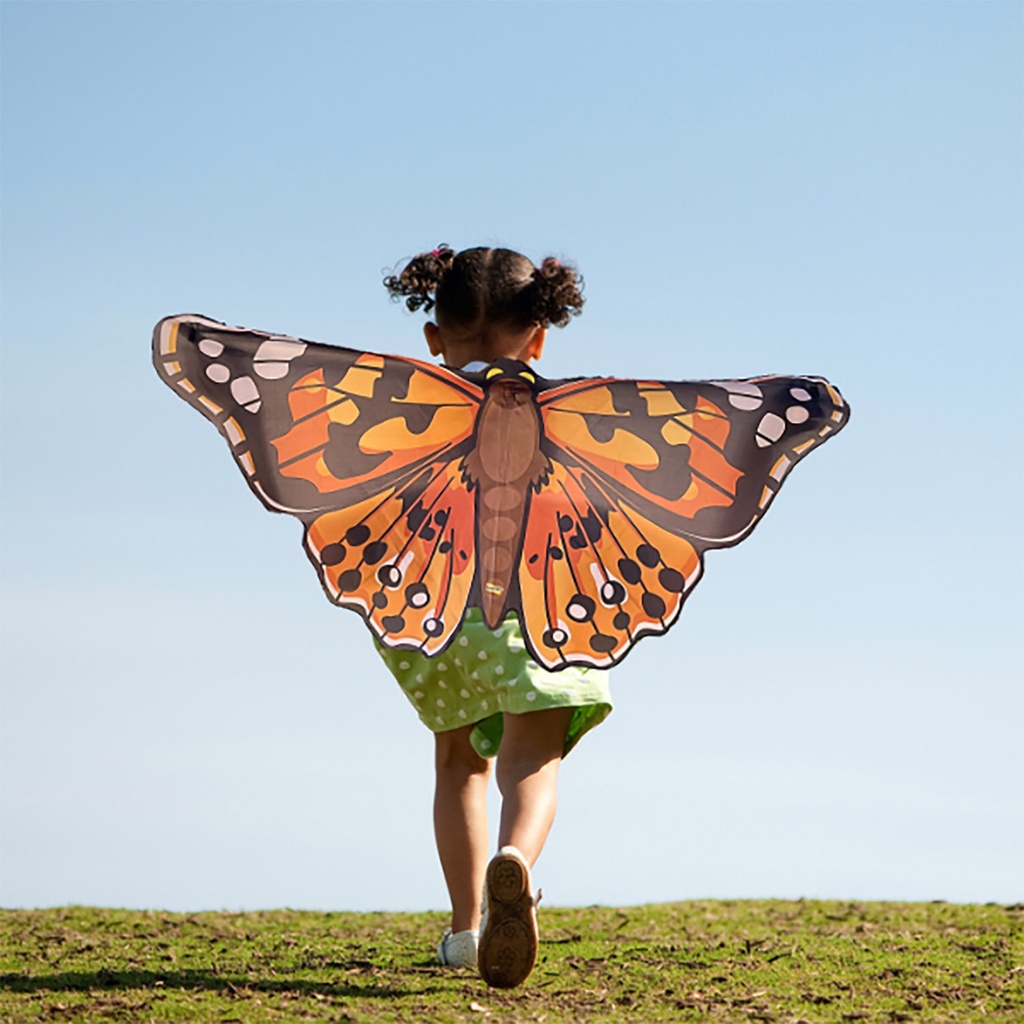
[
  {"x": 645, "y": 477},
  {"x": 363, "y": 448},
  {"x": 635, "y": 480}
]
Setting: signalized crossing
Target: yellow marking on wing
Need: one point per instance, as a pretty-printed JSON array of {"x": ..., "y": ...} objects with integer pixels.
[
  {"x": 170, "y": 341},
  {"x": 212, "y": 406},
  {"x": 801, "y": 448},
  {"x": 624, "y": 447},
  {"x": 173, "y": 367},
  {"x": 359, "y": 381},
  {"x": 661, "y": 402},
  {"x": 371, "y": 360},
  {"x": 393, "y": 435},
  {"x": 246, "y": 460},
  {"x": 233, "y": 430},
  {"x": 427, "y": 390},
  {"x": 781, "y": 468},
  {"x": 594, "y": 400},
  {"x": 186, "y": 385},
  {"x": 346, "y": 412},
  {"x": 766, "y": 495},
  {"x": 675, "y": 433}
]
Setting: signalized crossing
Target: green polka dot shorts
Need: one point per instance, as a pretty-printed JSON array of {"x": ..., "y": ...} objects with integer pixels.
[{"x": 485, "y": 673}]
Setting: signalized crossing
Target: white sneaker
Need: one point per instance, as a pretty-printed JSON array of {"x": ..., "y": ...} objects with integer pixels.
[
  {"x": 457, "y": 949},
  {"x": 508, "y": 940}
]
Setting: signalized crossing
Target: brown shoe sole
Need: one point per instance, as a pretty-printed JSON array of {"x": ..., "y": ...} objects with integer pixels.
[{"x": 508, "y": 945}]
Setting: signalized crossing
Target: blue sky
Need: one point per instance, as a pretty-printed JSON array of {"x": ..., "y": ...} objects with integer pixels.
[{"x": 830, "y": 189}]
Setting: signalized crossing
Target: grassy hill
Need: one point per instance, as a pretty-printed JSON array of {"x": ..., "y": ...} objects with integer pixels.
[{"x": 757, "y": 960}]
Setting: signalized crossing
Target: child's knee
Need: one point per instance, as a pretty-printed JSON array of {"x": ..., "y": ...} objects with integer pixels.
[
  {"x": 537, "y": 737},
  {"x": 454, "y": 754}
]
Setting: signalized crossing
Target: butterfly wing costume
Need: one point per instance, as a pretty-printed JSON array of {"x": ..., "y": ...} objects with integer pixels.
[{"x": 585, "y": 506}]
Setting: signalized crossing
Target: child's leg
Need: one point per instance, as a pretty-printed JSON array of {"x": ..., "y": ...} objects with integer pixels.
[
  {"x": 528, "y": 763},
  {"x": 460, "y": 822}
]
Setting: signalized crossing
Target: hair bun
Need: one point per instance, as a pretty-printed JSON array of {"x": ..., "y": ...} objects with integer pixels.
[
  {"x": 559, "y": 292},
  {"x": 420, "y": 279}
]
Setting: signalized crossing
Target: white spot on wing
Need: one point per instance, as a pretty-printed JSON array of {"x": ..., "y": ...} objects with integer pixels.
[
  {"x": 245, "y": 393},
  {"x": 273, "y": 356},
  {"x": 218, "y": 373},
  {"x": 770, "y": 429},
  {"x": 271, "y": 371},
  {"x": 280, "y": 350},
  {"x": 211, "y": 347},
  {"x": 743, "y": 395}
]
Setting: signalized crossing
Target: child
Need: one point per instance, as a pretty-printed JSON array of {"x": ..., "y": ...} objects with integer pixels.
[
  {"x": 566, "y": 492},
  {"x": 492, "y": 304}
]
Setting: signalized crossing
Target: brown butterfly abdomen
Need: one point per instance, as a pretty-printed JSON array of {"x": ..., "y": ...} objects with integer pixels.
[{"x": 504, "y": 464}]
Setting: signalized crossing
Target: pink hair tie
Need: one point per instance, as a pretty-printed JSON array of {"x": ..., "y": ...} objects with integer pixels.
[{"x": 435, "y": 252}]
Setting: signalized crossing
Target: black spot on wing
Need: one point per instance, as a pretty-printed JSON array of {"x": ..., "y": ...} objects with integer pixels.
[{"x": 332, "y": 554}]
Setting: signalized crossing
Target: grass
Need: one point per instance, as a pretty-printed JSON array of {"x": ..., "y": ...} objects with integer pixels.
[{"x": 756, "y": 960}]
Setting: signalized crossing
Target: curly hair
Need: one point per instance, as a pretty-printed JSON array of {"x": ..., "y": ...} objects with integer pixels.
[{"x": 479, "y": 287}]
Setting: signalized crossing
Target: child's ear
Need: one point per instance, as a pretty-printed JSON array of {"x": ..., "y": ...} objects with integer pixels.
[
  {"x": 433, "y": 336},
  {"x": 535, "y": 346}
]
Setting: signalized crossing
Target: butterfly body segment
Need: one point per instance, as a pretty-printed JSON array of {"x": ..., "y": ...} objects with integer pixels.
[
  {"x": 584, "y": 506},
  {"x": 506, "y": 465}
]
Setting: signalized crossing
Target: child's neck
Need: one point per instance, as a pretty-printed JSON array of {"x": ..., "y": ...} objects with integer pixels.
[{"x": 459, "y": 351}]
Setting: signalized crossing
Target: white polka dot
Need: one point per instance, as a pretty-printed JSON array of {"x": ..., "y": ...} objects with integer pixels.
[
  {"x": 464, "y": 693},
  {"x": 218, "y": 373},
  {"x": 418, "y": 695},
  {"x": 476, "y": 675},
  {"x": 458, "y": 662},
  {"x": 497, "y": 634},
  {"x": 800, "y": 394},
  {"x": 484, "y": 704},
  {"x": 531, "y": 696},
  {"x": 463, "y": 642},
  {"x": 485, "y": 744},
  {"x": 442, "y": 667},
  {"x": 499, "y": 670},
  {"x": 442, "y": 684},
  {"x": 462, "y": 713},
  {"x": 440, "y": 720},
  {"x": 797, "y": 414},
  {"x": 440, "y": 703},
  {"x": 482, "y": 655},
  {"x": 404, "y": 666},
  {"x": 511, "y": 682},
  {"x": 419, "y": 677},
  {"x": 210, "y": 348}
]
